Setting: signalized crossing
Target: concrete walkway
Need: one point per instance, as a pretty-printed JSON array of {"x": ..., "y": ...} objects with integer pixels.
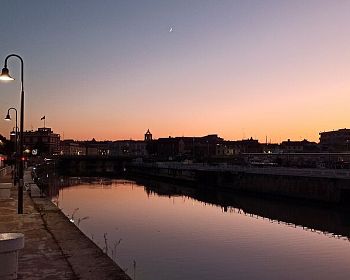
[{"x": 54, "y": 247}]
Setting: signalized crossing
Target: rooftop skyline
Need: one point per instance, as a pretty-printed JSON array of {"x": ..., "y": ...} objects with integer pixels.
[{"x": 239, "y": 69}]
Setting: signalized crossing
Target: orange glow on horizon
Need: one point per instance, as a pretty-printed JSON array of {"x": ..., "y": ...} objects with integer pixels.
[{"x": 280, "y": 72}]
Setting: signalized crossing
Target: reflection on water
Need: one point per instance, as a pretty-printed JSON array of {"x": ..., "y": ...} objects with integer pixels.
[{"x": 163, "y": 231}]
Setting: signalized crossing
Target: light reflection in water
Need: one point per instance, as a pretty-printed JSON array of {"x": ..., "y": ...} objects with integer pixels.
[{"x": 160, "y": 232}]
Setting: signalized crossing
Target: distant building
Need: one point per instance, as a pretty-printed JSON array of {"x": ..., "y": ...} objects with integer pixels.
[
  {"x": 125, "y": 148},
  {"x": 71, "y": 147},
  {"x": 230, "y": 148},
  {"x": 272, "y": 148},
  {"x": 41, "y": 142},
  {"x": 249, "y": 146},
  {"x": 129, "y": 148},
  {"x": 168, "y": 148},
  {"x": 206, "y": 146},
  {"x": 303, "y": 146},
  {"x": 335, "y": 141},
  {"x": 184, "y": 147},
  {"x": 148, "y": 136},
  {"x": 226, "y": 149},
  {"x": 97, "y": 148}
]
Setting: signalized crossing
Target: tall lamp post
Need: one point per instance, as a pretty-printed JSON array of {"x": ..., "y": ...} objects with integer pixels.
[
  {"x": 8, "y": 118},
  {"x": 5, "y": 76}
]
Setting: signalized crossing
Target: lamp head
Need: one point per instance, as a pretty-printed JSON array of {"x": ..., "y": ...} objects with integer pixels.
[
  {"x": 8, "y": 117},
  {"x": 5, "y": 76},
  {"x": 13, "y": 133}
]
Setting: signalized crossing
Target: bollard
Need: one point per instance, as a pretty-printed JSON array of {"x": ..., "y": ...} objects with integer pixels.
[{"x": 10, "y": 243}]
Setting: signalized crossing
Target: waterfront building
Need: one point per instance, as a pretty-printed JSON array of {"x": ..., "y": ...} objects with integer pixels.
[
  {"x": 40, "y": 142},
  {"x": 271, "y": 148},
  {"x": 225, "y": 149},
  {"x": 335, "y": 141},
  {"x": 303, "y": 146},
  {"x": 249, "y": 146},
  {"x": 169, "y": 148},
  {"x": 184, "y": 147},
  {"x": 231, "y": 148},
  {"x": 129, "y": 148},
  {"x": 125, "y": 148},
  {"x": 205, "y": 147},
  {"x": 97, "y": 148},
  {"x": 71, "y": 147}
]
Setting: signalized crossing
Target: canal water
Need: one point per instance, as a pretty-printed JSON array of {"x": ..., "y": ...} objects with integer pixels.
[{"x": 162, "y": 231}]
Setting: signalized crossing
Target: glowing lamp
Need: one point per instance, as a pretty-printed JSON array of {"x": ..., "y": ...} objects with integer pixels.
[
  {"x": 13, "y": 133},
  {"x": 5, "y": 76},
  {"x": 8, "y": 117}
]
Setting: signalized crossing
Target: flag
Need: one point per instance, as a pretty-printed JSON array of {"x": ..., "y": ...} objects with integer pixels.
[{"x": 43, "y": 118}]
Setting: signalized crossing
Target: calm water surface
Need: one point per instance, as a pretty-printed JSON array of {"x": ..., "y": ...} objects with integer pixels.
[{"x": 162, "y": 232}]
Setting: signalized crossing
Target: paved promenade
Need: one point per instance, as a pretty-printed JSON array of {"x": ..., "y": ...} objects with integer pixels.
[{"x": 54, "y": 247}]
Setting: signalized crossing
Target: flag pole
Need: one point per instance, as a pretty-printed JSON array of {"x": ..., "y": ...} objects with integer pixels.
[{"x": 44, "y": 118}]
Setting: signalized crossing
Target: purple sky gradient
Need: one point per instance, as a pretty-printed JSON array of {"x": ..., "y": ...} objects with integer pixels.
[{"x": 112, "y": 69}]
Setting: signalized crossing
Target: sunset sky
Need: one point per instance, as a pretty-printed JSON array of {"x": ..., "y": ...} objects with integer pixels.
[{"x": 112, "y": 69}]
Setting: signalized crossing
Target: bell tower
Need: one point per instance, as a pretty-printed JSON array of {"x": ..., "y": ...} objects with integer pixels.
[{"x": 148, "y": 136}]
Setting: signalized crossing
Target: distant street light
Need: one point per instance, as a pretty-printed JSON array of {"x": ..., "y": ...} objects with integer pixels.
[
  {"x": 8, "y": 118},
  {"x": 5, "y": 76}
]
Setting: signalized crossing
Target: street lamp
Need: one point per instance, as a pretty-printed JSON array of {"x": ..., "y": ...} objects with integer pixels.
[
  {"x": 8, "y": 118},
  {"x": 5, "y": 76}
]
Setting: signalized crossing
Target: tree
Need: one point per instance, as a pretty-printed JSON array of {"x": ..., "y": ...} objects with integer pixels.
[{"x": 6, "y": 146}]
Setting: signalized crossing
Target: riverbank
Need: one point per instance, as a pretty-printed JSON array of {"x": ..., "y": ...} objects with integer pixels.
[
  {"x": 321, "y": 185},
  {"x": 54, "y": 247}
]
